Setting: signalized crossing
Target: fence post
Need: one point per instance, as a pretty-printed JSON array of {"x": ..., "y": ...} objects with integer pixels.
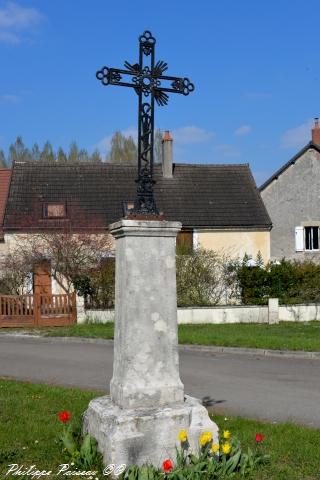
[
  {"x": 81, "y": 313},
  {"x": 37, "y": 309},
  {"x": 273, "y": 310}
]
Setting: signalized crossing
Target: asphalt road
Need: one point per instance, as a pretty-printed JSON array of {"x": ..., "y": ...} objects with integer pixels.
[{"x": 271, "y": 388}]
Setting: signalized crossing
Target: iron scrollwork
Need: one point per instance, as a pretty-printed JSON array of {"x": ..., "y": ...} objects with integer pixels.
[{"x": 146, "y": 80}]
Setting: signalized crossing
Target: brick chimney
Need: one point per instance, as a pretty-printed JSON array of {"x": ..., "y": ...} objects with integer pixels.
[
  {"x": 167, "y": 155},
  {"x": 316, "y": 132}
]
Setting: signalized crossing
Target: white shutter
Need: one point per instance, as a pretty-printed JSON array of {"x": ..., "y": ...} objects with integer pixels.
[{"x": 299, "y": 239}]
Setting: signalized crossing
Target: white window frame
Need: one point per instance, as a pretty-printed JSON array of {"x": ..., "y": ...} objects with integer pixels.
[
  {"x": 305, "y": 243},
  {"x": 300, "y": 239}
]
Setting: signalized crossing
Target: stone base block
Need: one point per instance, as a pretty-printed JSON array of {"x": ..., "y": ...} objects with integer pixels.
[{"x": 141, "y": 436}]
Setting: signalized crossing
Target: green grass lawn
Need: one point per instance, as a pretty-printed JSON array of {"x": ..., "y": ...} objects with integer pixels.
[
  {"x": 29, "y": 429},
  {"x": 284, "y": 336}
]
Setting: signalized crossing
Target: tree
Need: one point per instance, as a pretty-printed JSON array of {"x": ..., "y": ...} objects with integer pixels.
[
  {"x": 73, "y": 156},
  {"x": 61, "y": 156},
  {"x": 83, "y": 155},
  {"x": 259, "y": 259},
  {"x": 123, "y": 150},
  {"x": 35, "y": 153},
  {"x": 47, "y": 155},
  {"x": 96, "y": 157},
  {"x": 73, "y": 255},
  {"x": 3, "y": 163},
  {"x": 18, "y": 152}
]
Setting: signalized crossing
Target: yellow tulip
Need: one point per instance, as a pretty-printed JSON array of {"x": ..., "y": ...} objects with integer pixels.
[
  {"x": 226, "y": 434},
  {"x": 215, "y": 447},
  {"x": 205, "y": 438},
  {"x": 226, "y": 448},
  {"x": 183, "y": 436}
]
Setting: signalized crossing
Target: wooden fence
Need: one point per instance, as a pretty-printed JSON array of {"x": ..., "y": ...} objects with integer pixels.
[{"x": 38, "y": 310}]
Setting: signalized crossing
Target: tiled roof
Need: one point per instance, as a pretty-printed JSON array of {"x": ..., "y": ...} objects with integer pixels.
[
  {"x": 5, "y": 174},
  {"x": 208, "y": 196}
]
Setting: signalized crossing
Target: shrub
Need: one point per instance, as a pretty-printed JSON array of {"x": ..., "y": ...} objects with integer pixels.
[
  {"x": 98, "y": 286},
  {"x": 290, "y": 281},
  {"x": 204, "y": 278}
]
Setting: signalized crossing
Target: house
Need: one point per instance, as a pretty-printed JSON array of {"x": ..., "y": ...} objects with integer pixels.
[
  {"x": 5, "y": 175},
  {"x": 219, "y": 206},
  {"x": 292, "y": 198}
]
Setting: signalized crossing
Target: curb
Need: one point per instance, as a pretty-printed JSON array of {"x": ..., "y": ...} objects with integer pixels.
[
  {"x": 252, "y": 351},
  {"x": 184, "y": 348}
]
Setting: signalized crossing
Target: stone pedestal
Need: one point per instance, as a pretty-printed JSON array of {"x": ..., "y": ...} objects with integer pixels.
[
  {"x": 140, "y": 421},
  {"x": 145, "y": 435},
  {"x": 145, "y": 367}
]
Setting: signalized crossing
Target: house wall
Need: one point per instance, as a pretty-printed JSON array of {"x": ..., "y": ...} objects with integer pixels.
[
  {"x": 293, "y": 200},
  {"x": 235, "y": 243},
  {"x": 3, "y": 248}
]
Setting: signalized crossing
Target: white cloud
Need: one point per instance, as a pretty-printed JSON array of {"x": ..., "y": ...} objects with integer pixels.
[
  {"x": 9, "y": 98},
  {"x": 227, "y": 150},
  {"x": 191, "y": 134},
  {"x": 130, "y": 132},
  {"x": 104, "y": 144},
  {"x": 15, "y": 19},
  {"x": 297, "y": 136},
  {"x": 243, "y": 130}
]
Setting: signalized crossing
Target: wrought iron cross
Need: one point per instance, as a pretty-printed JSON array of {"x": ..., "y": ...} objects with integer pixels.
[{"x": 146, "y": 79}]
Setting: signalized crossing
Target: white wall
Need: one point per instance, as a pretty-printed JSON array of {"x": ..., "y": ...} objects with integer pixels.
[
  {"x": 299, "y": 313},
  {"x": 227, "y": 314}
]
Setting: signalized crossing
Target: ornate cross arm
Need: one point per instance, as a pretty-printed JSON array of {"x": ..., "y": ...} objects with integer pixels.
[
  {"x": 146, "y": 80},
  {"x": 149, "y": 82}
]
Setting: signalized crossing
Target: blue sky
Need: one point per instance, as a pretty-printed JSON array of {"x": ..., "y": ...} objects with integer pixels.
[{"x": 255, "y": 66}]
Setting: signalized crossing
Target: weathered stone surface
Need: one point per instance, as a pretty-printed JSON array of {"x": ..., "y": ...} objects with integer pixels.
[
  {"x": 146, "y": 365},
  {"x": 145, "y": 435},
  {"x": 140, "y": 421}
]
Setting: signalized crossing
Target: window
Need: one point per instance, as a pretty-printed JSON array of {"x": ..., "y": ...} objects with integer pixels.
[
  {"x": 307, "y": 238},
  {"x": 311, "y": 238},
  {"x": 54, "y": 210}
]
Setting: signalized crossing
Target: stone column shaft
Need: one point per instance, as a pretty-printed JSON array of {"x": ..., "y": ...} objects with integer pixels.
[{"x": 146, "y": 366}]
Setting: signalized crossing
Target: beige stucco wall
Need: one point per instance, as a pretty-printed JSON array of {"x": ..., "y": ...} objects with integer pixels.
[
  {"x": 235, "y": 243},
  {"x": 3, "y": 248}
]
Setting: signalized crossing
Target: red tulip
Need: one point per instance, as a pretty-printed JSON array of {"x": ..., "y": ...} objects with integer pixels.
[
  {"x": 167, "y": 466},
  {"x": 259, "y": 437},
  {"x": 64, "y": 416}
]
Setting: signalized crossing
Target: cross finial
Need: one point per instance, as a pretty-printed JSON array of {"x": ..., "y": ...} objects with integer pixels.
[{"x": 150, "y": 84}]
